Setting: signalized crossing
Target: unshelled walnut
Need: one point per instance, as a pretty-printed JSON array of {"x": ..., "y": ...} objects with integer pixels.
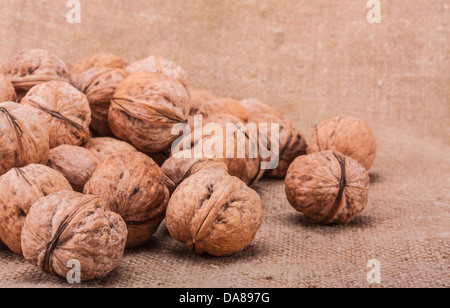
[
  {"x": 132, "y": 185},
  {"x": 23, "y": 137},
  {"x": 104, "y": 146},
  {"x": 66, "y": 112},
  {"x": 215, "y": 213},
  {"x": 256, "y": 107},
  {"x": 199, "y": 98},
  {"x": 99, "y": 85},
  {"x": 68, "y": 226},
  {"x": 32, "y": 67},
  {"x": 77, "y": 164},
  {"x": 328, "y": 187},
  {"x": 224, "y": 105},
  {"x": 348, "y": 135},
  {"x": 144, "y": 109},
  {"x": 7, "y": 92},
  {"x": 98, "y": 60}
]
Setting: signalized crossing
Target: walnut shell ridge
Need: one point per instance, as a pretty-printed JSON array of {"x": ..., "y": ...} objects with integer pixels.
[
  {"x": 7, "y": 91},
  {"x": 256, "y": 107},
  {"x": 102, "y": 147},
  {"x": 224, "y": 106},
  {"x": 98, "y": 60}
]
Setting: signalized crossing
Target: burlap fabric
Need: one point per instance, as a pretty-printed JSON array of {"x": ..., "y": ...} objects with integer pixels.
[{"x": 312, "y": 60}]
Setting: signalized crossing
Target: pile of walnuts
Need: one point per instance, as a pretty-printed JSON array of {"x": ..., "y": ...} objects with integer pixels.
[{"x": 86, "y": 169}]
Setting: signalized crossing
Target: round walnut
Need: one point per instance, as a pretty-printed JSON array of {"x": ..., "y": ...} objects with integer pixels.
[
  {"x": 98, "y": 60},
  {"x": 350, "y": 136},
  {"x": 32, "y": 67},
  {"x": 132, "y": 185},
  {"x": 77, "y": 164},
  {"x": 256, "y": 107},
  {"x": 7, "y": 92},
  {"x": 103, "y": 147},
  {"x": 23, "y": 137},
  {"x": 65, "y": 109},
  {"x": 327, "y": 187},
  {"x": 68, "y": 226},
  {"x": 20, "y": 188},
  {"x": 199, "y": 98},
  {"x": 144, "y": 109},
  {"x": 99, "y": 85},
  {"x": 215, "y": 213},
  {"x": 224, "y": 105}
]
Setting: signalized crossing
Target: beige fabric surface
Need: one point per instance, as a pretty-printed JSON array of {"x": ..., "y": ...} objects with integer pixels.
[{"x": 312, "y": 60}]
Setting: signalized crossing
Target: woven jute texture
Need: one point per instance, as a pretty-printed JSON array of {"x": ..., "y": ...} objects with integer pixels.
[{"x": 312, "y": 60}]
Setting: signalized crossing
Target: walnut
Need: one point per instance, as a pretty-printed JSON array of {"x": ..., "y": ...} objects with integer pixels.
[
  {"x": 328, "y": 187},
  {"x": 32, "y": 67},
  {"x": 23, "y": 137},
  {"x": 157, "y": 64},
  {"x": 144, "y": 109},
  {"x": 256, "y": 107},
  {"x": 199, "y": 98},
  {"x": 66, "y": 111},
  {"x": 68, "y": 226},
  {"x": 20, "y": 188},
  {"x": 224, "y": 105},
  {"x": 132, "y": 185},
  {"x": 99, "y": 85},
  {"x": 350, "y": 136},
  {"x": 98, "y": 60},
  {"x": 215, "y": 213},
  {"x": 103, "y": 147},
  {"x": 7, "y": 92},
  {"x": 77, "y": 164}
]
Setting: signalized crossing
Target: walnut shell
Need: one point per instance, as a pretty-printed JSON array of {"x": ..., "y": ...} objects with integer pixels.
[
  {"x": 66, "y": 111},
  {"x": 132, "y": 185},
  {"x": 99, "y": 85},
  {"x": 328, "y": 187},
  {"x": 23, "y": 137},
  {"x": 348, "y": 135},
  {"x": 32, "y": 67},
  {"x": 103, "y": 147},
  {"x": 77, "y": 164},
  {"x": 256, "y": 107},
  {"x": 199, "y": 98},
  {"x": 98, "y": 60},
  {"x": 69, "y": 226},
  {"x": 224, "y": 105},
  {"x": 215, "y": 213},
  {"x": 157, "y": 64},
  {"x": 7, "y": 92},
  {"x": 144, "y": 109}
]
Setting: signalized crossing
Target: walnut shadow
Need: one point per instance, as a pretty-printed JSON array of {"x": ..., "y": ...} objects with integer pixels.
[
  {"x": 361, "y": 222},
  {"x": 375, "y": 178}
]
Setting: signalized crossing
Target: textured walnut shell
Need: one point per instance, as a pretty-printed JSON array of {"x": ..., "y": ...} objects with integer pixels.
[
  {"x": 132, "y": 185},
  {"x": 23, "y": 137},
  {"x": 103, "y": 147},
  {"x": 32, "y": 67},
  {"x": 77, "y": 164},
  {"x": 199, "y": 98},
  {"x": 215, "y": 213},
  {"x": 20, "y": 188},
  {"x": 144, "y": 109},
  {"x": 99, "y": 85},
  {"x": 350, "y": 136},
  {"x": 156, "y": 64},
  {"x": 65, "y": 109},
  {"x": 98, "y": 60},
  {"x": 224, "y": 105},
  {"x": 7, "y": 92},
  {"x": 327, "y": 187},
  {"x": 256, "y": 107},
  {"x": 69, "y": 226}
]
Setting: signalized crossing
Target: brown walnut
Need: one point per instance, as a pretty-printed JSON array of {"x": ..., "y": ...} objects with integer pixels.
[
  {"x": 7, "y": 92},
  {"x": 199, "y": 98},
  {"x": 256, "y": 107},
  {"x": 103, "y": 147},
  {"x": 98, "y": 60},
  {"x": 224, "y": 105}
]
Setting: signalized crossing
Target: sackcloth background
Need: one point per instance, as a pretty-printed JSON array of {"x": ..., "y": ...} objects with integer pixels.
[{"x": 312, "y": 60}]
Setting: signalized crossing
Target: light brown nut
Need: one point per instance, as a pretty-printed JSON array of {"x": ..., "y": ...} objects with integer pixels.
[
  {"x": 327, "y": 187},
  {"x": 68, "y": 226},
  {"x": 256, "y": 107},
  {"x": 7, "y": 92},
  {"x": 99, "y": 85},
  {"x": 98, "y": 60},
  {"x": 32, "y": 67},
  {"x": 157, "y": 64},
  {"x": 23, "y": 137},
  {"x": 103, "y": 147},
  {"x": 132, "y": 185},
  {"x": 77, "y": 164},
  {"x": 199, "y": 98},
  {"x": 66, "y": 111},
  {"x": 224, "y": 105},
  {"x": 348, "y": 135},
  {"x": 144, "y": 109},
  {"x": 215, "y": 213},
  {"x": 20, "y": 188}
]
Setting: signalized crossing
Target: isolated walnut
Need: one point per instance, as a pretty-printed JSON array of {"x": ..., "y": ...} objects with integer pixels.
[
  {"x": 328, "y": 187},
  {"x": 215, "y": 213},
  {"x": 256, "y": 107},
  {"x": 7, "y": 92},
  {"x": 99, "y": 85},
  {"x": 23, "y": 137},
  {"x": 66, "y": 111},
  {"x": 157, "y": 64},
  {"x": 132, "y": 185},
  {"x": 224, "y": 105},
  {"x": 104, "y": 146},
  {"x": 98, "y": 60},
  {"x": 77, "y": 164},
  {"x": 348, "y": 135},
  {"x": 145, "y": 108},
  {"x": 69, "y": 226},
  {"x": 20, "y": 188},
  {"x": 32, "y": 67},
  {"x": 199, "y": 98}
]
